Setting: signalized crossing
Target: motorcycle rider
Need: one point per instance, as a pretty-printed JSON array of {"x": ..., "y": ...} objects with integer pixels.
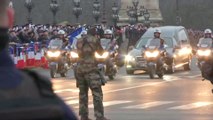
[
  {"x": 206, "y": 68},
  {"x": 207, "y": 34},
  {"x": 62, "y": 36},
  {"x": 157, "y": 35},
  {"x": 108, "y": 34}
]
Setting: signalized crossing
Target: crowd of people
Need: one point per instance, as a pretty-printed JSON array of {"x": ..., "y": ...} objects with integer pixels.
[
  {"x": 194, "y": 36},
  {"x": 37, "y": 33},
  {"x": 134, "y": 32}
]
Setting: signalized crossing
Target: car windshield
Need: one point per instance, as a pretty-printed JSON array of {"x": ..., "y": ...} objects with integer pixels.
[
  {"x": 55, "y": 44},
  {"x": 154, "y": 42},
  {"x": 145, "y": 41},
  {"x": 205, "y": 43}
]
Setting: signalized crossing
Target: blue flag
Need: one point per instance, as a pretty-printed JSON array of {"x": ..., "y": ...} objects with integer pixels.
[{"x": 75, "y": 34}]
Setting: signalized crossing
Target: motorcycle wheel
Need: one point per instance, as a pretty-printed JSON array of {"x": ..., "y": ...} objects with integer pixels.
[
  {"x": 64, "y": 74},
  {"x": 171, "y": 68},
  {"x": 187, "y": 67},
  {"x": 160, "y": 75},
  {"x": 152, "y": 73},
  {"x": 111, "y": 77},
  {"x": 52, "y": 73}
]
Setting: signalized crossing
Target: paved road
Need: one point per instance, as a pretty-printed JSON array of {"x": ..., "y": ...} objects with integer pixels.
[{"x": 181, "y": 96}]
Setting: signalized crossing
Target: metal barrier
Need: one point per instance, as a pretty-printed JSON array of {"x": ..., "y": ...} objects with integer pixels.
[{"x": 28, "y": 55}]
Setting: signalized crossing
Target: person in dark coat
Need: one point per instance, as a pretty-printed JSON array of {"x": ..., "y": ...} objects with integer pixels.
[{"x": 10, "y": 77}]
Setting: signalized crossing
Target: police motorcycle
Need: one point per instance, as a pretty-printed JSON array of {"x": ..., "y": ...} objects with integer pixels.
[
  {"x": 204, "y": 55},
  {"x": 155, "y": 58},
  {"x": 57, "y": 58},
  {"x": 109, "y": 57}
]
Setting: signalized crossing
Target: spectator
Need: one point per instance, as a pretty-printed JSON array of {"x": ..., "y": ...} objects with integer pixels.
[{"x": 27, "y": 87}]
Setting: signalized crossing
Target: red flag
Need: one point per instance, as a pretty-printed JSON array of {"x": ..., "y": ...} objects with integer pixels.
[{"x": 10, "y": 13}]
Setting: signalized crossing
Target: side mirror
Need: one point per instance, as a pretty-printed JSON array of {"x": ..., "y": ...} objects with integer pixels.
[{"x": 144, "y": 47}]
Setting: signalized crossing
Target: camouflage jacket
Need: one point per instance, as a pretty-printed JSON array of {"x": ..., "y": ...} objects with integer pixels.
[{"x": 86, "y": 48}]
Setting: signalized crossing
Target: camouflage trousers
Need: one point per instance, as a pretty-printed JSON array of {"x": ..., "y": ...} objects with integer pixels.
[{"x": 92, "y": 81}]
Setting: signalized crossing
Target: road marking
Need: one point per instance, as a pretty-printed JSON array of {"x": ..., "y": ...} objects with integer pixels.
[
  {"x": 111, "y": 103},
  {"x": 170, "y": 78},
  {"x": 57, "y": 81},
  {"x": 67, "y": 90},
  {"x": 191, "y": 106},
  {"x": 128, "y": 88},
  {"x": 195, "y": 76},
  {"x": 149, "y": 105},
  {"x": 68, "y": 98},
  {"x": 71, "y": 102}
]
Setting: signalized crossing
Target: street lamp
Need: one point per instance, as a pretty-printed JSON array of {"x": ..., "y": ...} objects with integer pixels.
[
  {"x": 178, "y": 17},
  {"x": 104, "y": 14},
  {"x": 134, "y": 12},
  {"x": 135, "y": 3},
  {"x": 54, "y": 7},
  {"x": 115, "y": 15},
  {"x": 178, "y": 20},
  {"x": 96, "y": 11},
  {"x": 77, "y": 10},
  {"x": 29, "y": 5},
  {"x": 146, "y": 17}
]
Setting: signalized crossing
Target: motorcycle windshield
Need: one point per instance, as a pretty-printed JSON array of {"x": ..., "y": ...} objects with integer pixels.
[
  {"x": 55, "y": 44},
  {"x": 153, "y": 44},
  {"x": 205, "y": 43},
  {"x": 105, "y": 43}
]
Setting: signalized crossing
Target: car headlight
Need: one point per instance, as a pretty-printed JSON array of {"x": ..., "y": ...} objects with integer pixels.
[
  {"x": 129, "y": 58},
  {"x": 152, "y": 54},
  {"x": 103, "y": 56},
  {"x": 74, "y": 55},
  {"x": 184, "y": 51},
  {"x": 53, "y": 54},
  {"x": 204, "y": 52}
]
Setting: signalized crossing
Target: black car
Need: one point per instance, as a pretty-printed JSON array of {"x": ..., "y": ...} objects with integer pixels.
[{"x": 179, "y": 51}]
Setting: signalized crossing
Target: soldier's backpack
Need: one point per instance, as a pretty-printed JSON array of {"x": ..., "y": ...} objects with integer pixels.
[{"x": 34, "y": 99}]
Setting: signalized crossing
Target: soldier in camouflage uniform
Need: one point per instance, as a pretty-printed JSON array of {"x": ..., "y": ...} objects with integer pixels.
[{"x": 88, "y": 76}]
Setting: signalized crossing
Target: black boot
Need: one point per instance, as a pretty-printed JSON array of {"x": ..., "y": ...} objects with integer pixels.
[
  {"x": 85, "y": 118},
  {"x": 102, "y": 118}
]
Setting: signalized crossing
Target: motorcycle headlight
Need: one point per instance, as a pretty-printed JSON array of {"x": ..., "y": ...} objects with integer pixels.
[
  {"x": 103, "y": 56},
  {"x": 53, "y": 54},
  {"x": 152, "y": 54},
  {"x": 204, "y": 52},
  {"x": 129, "y": 58},
  {"x": 185, "y": 51},
  {"x": 74, "y": 55}
]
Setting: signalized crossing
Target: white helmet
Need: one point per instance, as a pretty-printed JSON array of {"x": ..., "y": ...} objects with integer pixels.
[
  {"x": 157, "y": 30},
  {"x": 108, "y": 31},
  {"x": 61, "y": 32},
  {"x": 207, "y": 31},
  {"x": 84, "y": 32}
]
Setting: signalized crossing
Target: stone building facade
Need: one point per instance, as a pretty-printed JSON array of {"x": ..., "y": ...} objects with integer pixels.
[{"x": 41, "y": 13}]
